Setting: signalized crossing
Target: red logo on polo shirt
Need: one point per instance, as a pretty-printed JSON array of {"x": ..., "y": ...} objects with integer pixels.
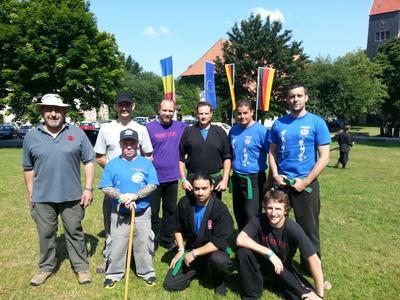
[
  {"x": 70, "y": 138},
  {"x": 210, "y": 224}
]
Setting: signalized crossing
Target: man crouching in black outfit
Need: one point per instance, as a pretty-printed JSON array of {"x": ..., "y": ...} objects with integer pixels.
[
  {"x": 205, "y": 223},
  {"x": 267, "y": 246}
]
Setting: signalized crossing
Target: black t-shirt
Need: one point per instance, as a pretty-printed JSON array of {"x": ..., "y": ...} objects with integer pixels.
[{"x": 283, "y": 241}]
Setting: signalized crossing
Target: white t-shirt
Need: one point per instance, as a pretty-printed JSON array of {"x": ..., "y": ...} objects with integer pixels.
[{"x": 108, "y": 139}]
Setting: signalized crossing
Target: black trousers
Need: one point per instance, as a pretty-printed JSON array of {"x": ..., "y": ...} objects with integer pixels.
[
  {"x": 306, "y": 207},
  {"x": 243, "y": 207},
  {"x": 216, "y": 264},
  {"x": 163, "y": 227},
  {"x": 344, "y": 158},
  {"x": 253, "y": 268}
]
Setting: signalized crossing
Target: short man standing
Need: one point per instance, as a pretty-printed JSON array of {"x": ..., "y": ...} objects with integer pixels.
[
  {"x": 107, "y": 147},
  {"x": 299, "y": 152},
  {"x": 52, "y": 153},
  {"x": 250, "y": 144},
  {"x": 345, "y": 141},
  {"x": 131, "y": 179},
  {"x": 165, "y": 135},
  {"x": 205, "y": 224},
  {"x": 205, "y": 148},
  {"x": 267, "y": 246}
]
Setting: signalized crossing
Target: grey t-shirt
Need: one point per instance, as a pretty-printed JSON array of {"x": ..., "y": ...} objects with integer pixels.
[{"x": 56, "y": 163}]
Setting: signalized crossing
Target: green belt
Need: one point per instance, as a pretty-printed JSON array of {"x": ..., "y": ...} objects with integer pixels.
[
  {"x": 291, "y": 182},
  {"x": 249, "y": 187},
  {"x": 178, "y": 264}
]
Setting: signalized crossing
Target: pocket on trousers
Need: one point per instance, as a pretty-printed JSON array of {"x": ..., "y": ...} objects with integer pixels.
[
  {"x": 33, "y": 212},
  {"x": 151, "y": 242}
]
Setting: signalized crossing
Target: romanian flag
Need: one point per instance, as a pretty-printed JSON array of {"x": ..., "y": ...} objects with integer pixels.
[
  {"x": 168, "y": 78},
  {"x": 264, "y": 87},
  {"x": 230, "y": 73}
]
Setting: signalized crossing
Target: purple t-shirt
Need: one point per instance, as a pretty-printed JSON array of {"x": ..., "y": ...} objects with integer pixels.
[{"x": 165, "y": 141}]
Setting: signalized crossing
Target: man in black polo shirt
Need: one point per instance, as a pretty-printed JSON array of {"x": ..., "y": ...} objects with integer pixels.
[
  {"x": 267, "y": 246},
  {"x": 52, "y": 154},
  {"x": 205, "y": 148}
]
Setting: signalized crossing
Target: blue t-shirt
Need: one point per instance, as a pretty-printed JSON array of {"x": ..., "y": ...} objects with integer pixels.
[
  {"x": 129, "y": 177},
  {"x": 250, "y": 146},
  {"x": 199, "y": 211},
  {"x": 297, "y": 141}
]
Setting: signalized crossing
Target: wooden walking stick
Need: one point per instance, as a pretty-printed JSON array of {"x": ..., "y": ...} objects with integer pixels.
[{"x": 130, "y": 245}]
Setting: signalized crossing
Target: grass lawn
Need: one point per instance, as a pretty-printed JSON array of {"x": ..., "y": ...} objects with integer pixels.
[{"x": 360, "y": 221}]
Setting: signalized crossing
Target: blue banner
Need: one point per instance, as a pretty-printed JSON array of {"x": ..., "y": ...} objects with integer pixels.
[{"x": 209, "y": 84}]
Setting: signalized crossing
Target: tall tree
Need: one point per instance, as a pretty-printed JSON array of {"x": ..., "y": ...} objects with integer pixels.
[
  {"x": 260, "y": 43},
  {"x": 55, "y": 46},
  {"x": 389, "y": 58},
  {"x": 345, "y": 88}
]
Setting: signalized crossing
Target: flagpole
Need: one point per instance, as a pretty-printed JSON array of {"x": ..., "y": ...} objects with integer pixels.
[
  {"x": 258, "y": 86},
  {"x": 233, "y": 87}
]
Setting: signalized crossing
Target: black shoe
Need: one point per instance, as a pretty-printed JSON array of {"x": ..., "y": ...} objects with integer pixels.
[
  {"x": 151, "y": 281},
  {"x": 109, "y": 283}
]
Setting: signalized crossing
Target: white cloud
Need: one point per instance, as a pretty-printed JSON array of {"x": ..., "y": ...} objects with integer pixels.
[
  {"x": 275, "y": 15},
  {"x": 150, "y": 31}
]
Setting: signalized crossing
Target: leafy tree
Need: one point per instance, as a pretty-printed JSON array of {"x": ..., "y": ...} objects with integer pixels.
[
  {"x": 55, "y": 46},
  {"x": 132, "y": 67},
  {"x": 147, "y": 90},
  {"x": 389, "y": 58},
  {"x": 259, "y": 43},
  {"x": 345, "y": 88},
  {"x": 187, "y": 95}
]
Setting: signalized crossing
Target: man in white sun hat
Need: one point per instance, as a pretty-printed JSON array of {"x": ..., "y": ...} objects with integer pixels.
[{"x": 52, "y": 153}]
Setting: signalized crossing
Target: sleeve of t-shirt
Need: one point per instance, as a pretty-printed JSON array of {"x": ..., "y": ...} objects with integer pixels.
[
  {"x": 145, "y": 143},
  {"x": 226, "y": 147},
  {"x": 100, "y": 147},
  {"x": 252, "y": 228},
  {"x": 151, "y": 174},
  {"x": 27, "y": 161},
  {"x": 323, "y": 135},
  {"x": 106, "y": 178},
  {"x": 267, "y": 138},
  {"x": 305, "y": 246},
  {"x": 273, "y": 135},
  {"x": 182, "y": 146},
  {"x": 87, "y": 152}
]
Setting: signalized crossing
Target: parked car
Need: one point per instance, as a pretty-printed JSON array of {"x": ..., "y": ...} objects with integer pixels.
[
  {"x": 224, "y": 126},
  {"x": 8, "y": 131},
  {"x": 189, "y": 119},
  {"x": 86, "y": 126},
  {"x": 102, "y": 122},
  {"x": 141, "y": 120},
  {"x": 23, "y": 130},
  {"x": 152, "y": 118}
]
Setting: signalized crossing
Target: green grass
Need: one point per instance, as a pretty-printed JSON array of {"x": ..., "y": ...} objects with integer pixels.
[
  {"x": 360, "y": 223},
  {"x": 370, "y": 129}
]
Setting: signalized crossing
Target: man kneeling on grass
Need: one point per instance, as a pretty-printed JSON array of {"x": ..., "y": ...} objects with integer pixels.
[
  {"x": 129, "y": 179},
  {"x": 205, "y": 223},
  {"x": 267, "y": 246}
]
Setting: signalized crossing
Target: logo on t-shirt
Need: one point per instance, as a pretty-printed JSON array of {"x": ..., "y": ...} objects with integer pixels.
[
  {"x": 210, "y": 224},
  {"x": 137, "y": 177},
  {"x": 70, "y": 138}
]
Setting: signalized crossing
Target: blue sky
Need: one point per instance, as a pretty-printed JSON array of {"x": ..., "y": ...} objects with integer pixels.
[{"x": 151, "y": 30}]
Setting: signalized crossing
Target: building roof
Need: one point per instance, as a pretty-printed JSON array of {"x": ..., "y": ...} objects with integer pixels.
[
  {"x": 384, "y": 6},
  {"x": 198, "y": 67}
]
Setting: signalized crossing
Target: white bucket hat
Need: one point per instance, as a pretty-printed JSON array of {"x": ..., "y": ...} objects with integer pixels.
[{"x": 52, "y": 100}]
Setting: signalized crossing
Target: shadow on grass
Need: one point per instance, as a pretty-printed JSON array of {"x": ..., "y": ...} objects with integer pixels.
[{"x": 91, "y": 243}]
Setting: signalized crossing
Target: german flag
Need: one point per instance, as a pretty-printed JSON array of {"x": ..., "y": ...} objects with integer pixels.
[
  {"x": 230, "y": 73},
  {"x": 264, "y": 87},
  {"x": 168, "y": 78}
]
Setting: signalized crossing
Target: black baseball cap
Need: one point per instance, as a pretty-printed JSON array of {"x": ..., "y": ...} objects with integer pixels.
[
  {"x": 128, "y": 134},
  {"x": 124, "y": 97}
]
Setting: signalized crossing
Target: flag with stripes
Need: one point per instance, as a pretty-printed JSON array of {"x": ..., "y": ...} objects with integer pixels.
[
  {"x": 168, "y": 78},
  {"x": 264, "y": 87},
  {"x": 230, "y": 73}
]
